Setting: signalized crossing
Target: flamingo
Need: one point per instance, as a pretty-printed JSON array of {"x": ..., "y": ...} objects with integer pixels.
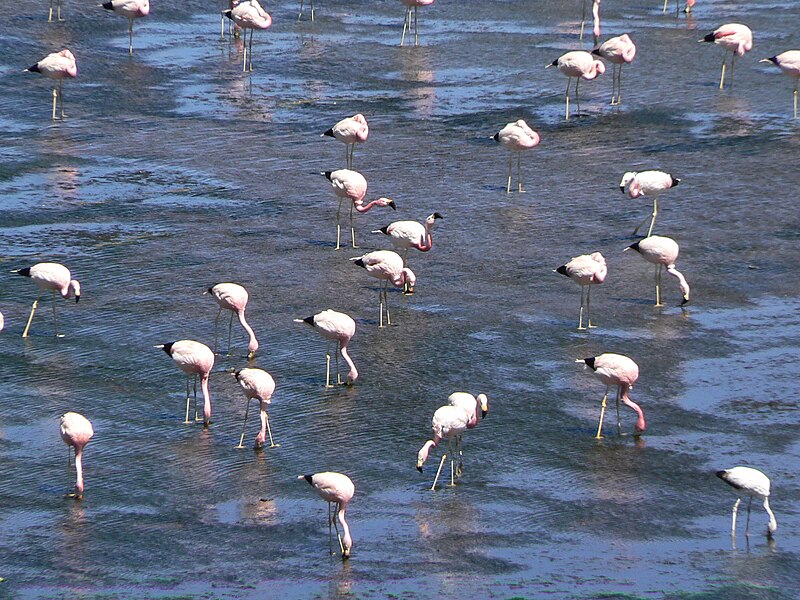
[
  {"x": 662, "y": 252},
  {"x": 410, "y": 234},
  {"x": 412, "y": 5},
  {"x": 335, "y": 327},
  {"x": 789, "y": 63},
  {"x": 233, "y": 297},
  {"x": 311, "y": 4},
  {"x": 2, "y": 322},
  {"x": 646, "y": 183},
  {"x": 193, "y": 358},
  {"x": 349, "y": 131},
  {"x": 76, "y": 431},
  {"x": 578, "y": 64},
  {"x": 687, "y": 9},
  {"x": 133, "y": 9},
  {"x": 585, "y": 270},
  {"x": 516, "y": 137},
  {"x": 258, "y": 384},
  {"x": 249, "y": 15},
  {"x": 54, "y": 277},
  {"x": 50, "y": 18},
  {"x": 388, "y": 267},
  {"x": 595, "y": 20},
  {"x": 619, "y": 370},
  {"x": 470, "y": 405},
  {"x": 751, "y": 482},
  {"x": 56, "y": 66},
  {"x": 620, "y": 51},
  {"x": 352, "y": 185},
  {"x": 734, "y": 37},
  {"x": 449, "y": 423},
  {"x": 335, "y": 488}
]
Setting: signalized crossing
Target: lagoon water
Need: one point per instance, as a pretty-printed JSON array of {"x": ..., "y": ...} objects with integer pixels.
[{"x": 174, "y": 171}]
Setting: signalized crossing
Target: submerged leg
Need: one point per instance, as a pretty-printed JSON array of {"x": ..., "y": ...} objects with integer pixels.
[
  {"x": 130, "y": 37},
  {"x": 733, "y": 516},
  {"x": 246, "y": 411},
  {"x": 352, "y": 228},
  {"x": 265, "y": 415},
  {"x": 580, "y": 314},
  {"x": 338, "y": 376},
  {"x": 658, "y": 285},
  {"x": 386, "y": 301},
  {"x": 55, "y": 98},
  {"x": 619, "y": 86},
  {"x": 569, "y": 80},
  {"x": 328, "y": 365},
  {"x": 250, "y": 59},
  {"x": 519, "y": 171},
  {"x": 196, "y": 417}
]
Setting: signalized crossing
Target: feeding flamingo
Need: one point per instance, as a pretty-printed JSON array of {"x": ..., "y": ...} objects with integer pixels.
[
  {"x": 662, "y": 252},
  {"x": 388, "y": 267},
  {"x": 132, "y": 9},
  {"x": 335, "y": 327},
  {"x": 257, "y": 384},
  {"x": 335, "y": 488},
  {"x": 193, "y": 358},
  {"x": 350, "y": 131},
  {"x": 56, "y": 66},
  {"x": 449, "y": 423},
  {"x": 76, "y": 431},
  {"x": 585, "y": 270},
  {"x": 410, "y": 234},
  {"x": 578, "y": 64},
  {"x": 687, "y": 9},
  {"x": 233, "y": 297},
  {"x": 734, "y": 37},
  {"x": 647, "y": 183},
  {"x": 621, "y": 371},
  {"x": 751, "y": 482},
  {"x": 54, "y": 277},
  {"x": 352, "y": 185},
  {"x": 789, "y": 63},
  {"x": 249, "y": 15},
  {"x": 470, "y": 404},
  {"x": 516, "y": 137},
  {"x": 619, "y": 51},
  {"x": 412, "y": 5}
]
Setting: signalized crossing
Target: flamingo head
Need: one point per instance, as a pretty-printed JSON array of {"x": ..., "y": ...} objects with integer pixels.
[
  {"x": 408, "y": 279},
  {"x": 75, "y": 287},
  {"x": 484, "y": 402},
  {"x": 626, "y": 179},
  {"x": 432, "y": 218},
  {"x": 387, "y": 202},
  {"x": 422, "y": 456},
  {"x": 634, "y": 246}
]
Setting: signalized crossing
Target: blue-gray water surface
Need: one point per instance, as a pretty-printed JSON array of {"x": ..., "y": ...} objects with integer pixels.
[{"x": 174, "y": 171}]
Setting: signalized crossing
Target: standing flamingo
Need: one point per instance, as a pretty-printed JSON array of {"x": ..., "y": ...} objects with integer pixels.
[
  {"x": 193, "y": 358},
  {"x": 578, "y": 64},
  {"x": 249, "y": 15},
  {"x": 388, "y": 267},
  {"x": 470, "y": 404},
  {"x": 352, "y": 185},
  {"x": 410, "y": 234},
  {"x": 516, "y": 137},
  {"x": 449, "y": 423},
  {"x": 646, "y": 183},
  {"x": 734, "y": 37},
  {"x": 335, "y": 327},
  {"x": 687, "y": 9},
  {"x": 619, "y": 370},
  {"x": 311, "y": 5},
  {"x": 789, "y": 63},
  {"x": 619, "y": 51},
  {"x": 54, "y": 277},
  {"x": 338, "y": 489},
  {"x": 585, "y": 270},
  {"x": 751, "y": 482},
  {"x": 233, "y": 297},
  {"x": 133, "y": 9},
  {"x": 350, "y": 131},
  {"x": 412, "y": 5},
  {"x": 662, "y": 252},
  {"x": 50, "y": 18},
  {"x": 56, "y": 66},
  {"x": 258, "y": 384},
  {"x": 595, "y": 20},
  {"x": 76, "y": 431}
]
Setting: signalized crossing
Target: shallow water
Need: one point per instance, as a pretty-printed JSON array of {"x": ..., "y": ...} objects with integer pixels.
[{"x": 173, "y": 172}]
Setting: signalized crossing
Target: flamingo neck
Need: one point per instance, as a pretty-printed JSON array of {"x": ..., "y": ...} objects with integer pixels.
[
  {"x": 347, "y": 541},
  {"x": 206, "y": 401},
  {"x": 362, "y": 208},
  {"x": 253, "y": 345},
  {"x": 427, "y": 243},
  {"x": 640, "y": 424},
  {"x": 353, "y": 374},
  {"x": 79, "y": 470}
]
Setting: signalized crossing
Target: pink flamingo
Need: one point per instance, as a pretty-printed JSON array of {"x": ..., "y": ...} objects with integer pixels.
[
  {"x": 258, "y": 384},
  {"x": 193, "y": 358},
  {"x": 350, "y": 131},
  {"x": 619, "y": 370},
  {"x": 789, "y": 63},
  {"x": 54, "y": 277},
  {"x": 338, "y": 489},
  {"x": 647, "y": 183},
  {"x": 620, "y": 51},
  {"x": 249, "y": 15},
  {"x": 335, "y": 327},
  {"x": 388, "y": 267},
  {"x": 470, "y": 405},
  {"x": 56, "y": 66},
  {"x": 595, "y": 20},
  {"x": 516, "y": 137},
  {"x": 410, "y": 234},
  {"x": 352, "y": 185},
  {"x": 748, "y": 481},
  {"x": 578, "y": 64},
  {"x": 687, "y": 9},
  {"x": 449, "y": 423},
  {"x": 133, "y": 9},
  {"x": 233, "y": 297},
  {"x": 412, "y": 5},
  {"x": 76, "y": 431},
  {"x": 734, "y": 37},
  {"x": 2, "y": 322},
  {"x": 662, "y": 252},
  {"x": 585, "y": 270}
]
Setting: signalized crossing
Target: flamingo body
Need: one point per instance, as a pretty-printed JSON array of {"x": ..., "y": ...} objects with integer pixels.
[
  {"x": 76, "y": 431},
  {"x": 449, "y": 423},
  {"x": 751, "y": 482},
  {"x": 410, "y": 234},
  {"x": 585, "y": 270},
  {"x": 352, "y": 185},
  {"x": 620, "y": 371},
  {"x": 619, "y": 51},
  {"x": 388, "y": 267},
  {"x": 54, "y": 277},
  {"x": 350, "y": 131},
  {"x": 662, "y": 252},
  {"x": 470, "y": 405},
  {"x": 789, "y": 63},
  {"x": 733, "y": 37},
  {"x": 193, "y": 358},
  {"x": 259, "y": 385},
  {"x": 580, "y": 65},
  {"x": 647, "y": 183},
  {"x": 340, "y": 328},
  {"x": 410, "y": 18},
  {"x": 249, "y": 15},
  {"x": 516, "y": 137},
  {"x": 233, "y": 297},
  {"x": 132, "y": 9},
  {"x": 335, "y": 488},
  {"x": 56, "y": 66}
]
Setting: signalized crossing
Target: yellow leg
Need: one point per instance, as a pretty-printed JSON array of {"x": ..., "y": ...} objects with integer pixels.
[
  {"x": 246, "y": 411},
  {"x": 569, "y": 80},
  {"x": 602, "y": 414},
  {"x": 508, "y": 187},
  {"x": 272, "y": 444},
  {"x": 30, "y": 317},
  {"x": 722, "y": 78},
  {"x": 188, "y": 399}
]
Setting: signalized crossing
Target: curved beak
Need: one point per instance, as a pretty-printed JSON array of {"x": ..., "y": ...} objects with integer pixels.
[
  {"x": 622, "y": 189},
  {"x": 419, "y": 468},
  {"x": 251, "y": 355},
  {"x": 484, "y": 413},
  {"x": 393, "y": 205},
  {"x": 77, "y": 298}
]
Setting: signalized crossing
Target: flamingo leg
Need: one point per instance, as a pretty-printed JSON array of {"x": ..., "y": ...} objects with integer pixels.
[
  {"x": 272, "y": 444},
  {"x": 722, "y": 78},
  {"x": 61, "y": 95},
  {"x": 221, "y": 20},
  {"x": 188, "y": 398},
  {"x": 658, "y": 285},
  {"x": 569, "y": 80},
  {"x": 519, "y": 171},
  {"x": 438, "y": 471},
  {"x": 619, "y": 86},
  {"x": 330, "y": 533},
  {"x": 30, "y": 317},
  {"x": 588, "y": 314},
  {"x": 338, "y": 224},
  {"x": 246, "y": 411},
  {"x": 250, "y": 59},
  {"x": 216, "y": 329},
  {"x": 459, "y": 451},
  {"x": 747, "y": 527},
  {"x": 328, "y": 365},
  {"x": 583, "y": 19},
  {"x": 508, "y": 186},
  {"x": 733, "y": 516},
  {"x": 580, "y": 314},
  {"x": 386, "y": 299},
  {"x": 352, "y": 228},
  {"x": 577, "y": 97},
  {"x": 338, "y": 377},
  {"x": 312, "y": 9},
  {"x": 300, "y": 14},
  {"x": 196, "y": 417},
  {"x": 665, "y": 6},
  {"x": 55, "y": 319},
  {"x": 230, "y": 327},
  {"x": 733, "y": 67},
  {"x": 244, "y": 52},
  {"x": 416, "y": 26},
  {"x": 794, "y": 94},
  {"x": 405, "y": 25},
  {"x": 655, "y": 214},
  {"x": 614, "y": 85},
  {"x": 619, "y": 419},
  {"x": 130, "y": 37},
  {"x": 602, "y": 414},
  {"x": 50, "y": 18},
  {"x": 55, "y": 99}
]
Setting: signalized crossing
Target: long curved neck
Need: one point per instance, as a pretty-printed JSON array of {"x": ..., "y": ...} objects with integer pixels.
[
  {"x": 681, "y": 280},
  {"x": 353, "y": 374},
  {"x": 347, "y": 541},
  {"x": 362, "y": 208},
  {"x": 640, "y": 424},
  {"x": 253, "y": 345},
  {"x": 206, "y": 401},
  {"x": 427, "y": 243}
]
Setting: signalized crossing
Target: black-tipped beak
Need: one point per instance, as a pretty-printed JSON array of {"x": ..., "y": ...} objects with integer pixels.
[
  {"x": 484, "y": 413},
  {"x": 436, "y": 215},
  {"x": 329, "y": 133},
  {"x": 393, "y": 205},
  {"x": 77, "y": 299},
  {"x": 419, "y": 468},
  {"x": 496, "y": 137},
  {"x": 685, "y": 301},
  {"x": 33, "y": 68},
  {"x": 227, "y": 13},
  {"x": 622, "y": 189},
  {"x": 709, "y": 38}
]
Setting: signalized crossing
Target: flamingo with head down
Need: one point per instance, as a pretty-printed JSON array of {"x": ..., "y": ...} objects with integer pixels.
[
  {"x": 580, "y": 65},
  {"x": 233, "y": 297},
  {"x": 388, "y": 267},
  {"x": 621, "y": 371},
  {"x": 619, "y": 51},
  {"x": 516, "y": 137}
]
